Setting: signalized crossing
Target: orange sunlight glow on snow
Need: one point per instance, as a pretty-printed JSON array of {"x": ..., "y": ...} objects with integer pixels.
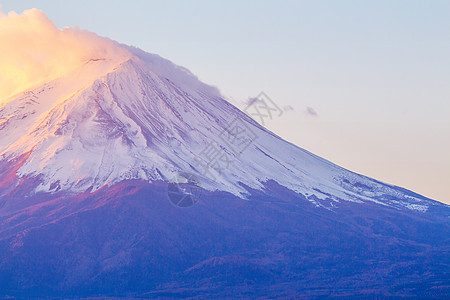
[{"x": 33, "y": 50}]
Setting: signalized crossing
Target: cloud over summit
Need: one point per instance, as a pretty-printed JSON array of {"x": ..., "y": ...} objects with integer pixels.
[{"x": 33, "y": 50}]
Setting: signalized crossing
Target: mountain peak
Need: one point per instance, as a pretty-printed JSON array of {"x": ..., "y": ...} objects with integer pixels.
[{"x": 146, "y": 118}]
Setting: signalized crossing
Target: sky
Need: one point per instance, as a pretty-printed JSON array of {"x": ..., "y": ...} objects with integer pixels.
[{"x": 364, "y": 84}]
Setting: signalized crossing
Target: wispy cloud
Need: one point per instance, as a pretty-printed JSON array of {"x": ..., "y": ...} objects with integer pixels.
[
  {"x": 311, "y": 112},
  {"x": 252, "y": 101},
  {"x": 34, "y": 50}
]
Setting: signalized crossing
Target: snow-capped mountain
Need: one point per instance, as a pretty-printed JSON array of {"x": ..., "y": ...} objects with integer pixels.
[
  {"x": 146, "y": 118},
  {"x": 85, "y": 161}
]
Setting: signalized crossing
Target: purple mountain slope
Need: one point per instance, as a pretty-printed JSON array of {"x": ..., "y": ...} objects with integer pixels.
[{"x": 131, "y": 178}]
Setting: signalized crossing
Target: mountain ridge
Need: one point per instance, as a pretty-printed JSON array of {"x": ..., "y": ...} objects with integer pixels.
[{"x": 144, "y": 113}]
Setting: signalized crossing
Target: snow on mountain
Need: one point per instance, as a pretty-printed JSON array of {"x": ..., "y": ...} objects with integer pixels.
[{"x": 146, "y": 118}]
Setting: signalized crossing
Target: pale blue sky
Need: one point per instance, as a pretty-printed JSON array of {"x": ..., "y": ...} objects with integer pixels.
[{"x": 377, "y": 73}]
